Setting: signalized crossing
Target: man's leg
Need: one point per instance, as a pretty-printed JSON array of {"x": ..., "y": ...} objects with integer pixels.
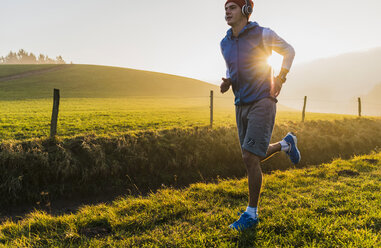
[
  {"x": 288, "y": 145},
  {"x": 255, "y": 123},
  {"x": 254, "y": 172},
  {"x": 272, "y": 150}
]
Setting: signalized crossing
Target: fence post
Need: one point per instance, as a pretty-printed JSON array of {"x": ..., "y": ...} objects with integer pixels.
[
  {"x": 359, "y": 99},
  {"x": 211, "y": 109},
  {"x": 56, "y": 103},
  {"x": 304, "y": 108}
]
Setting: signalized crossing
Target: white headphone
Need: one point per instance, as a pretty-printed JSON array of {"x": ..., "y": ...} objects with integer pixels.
[{"x": 247, "y": 9}]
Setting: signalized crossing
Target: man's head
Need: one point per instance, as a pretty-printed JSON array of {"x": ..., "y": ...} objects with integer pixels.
[{"x": 234, "y": 12}]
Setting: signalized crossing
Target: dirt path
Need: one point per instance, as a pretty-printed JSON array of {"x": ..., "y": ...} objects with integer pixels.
[{"x": 32, "y": 73}]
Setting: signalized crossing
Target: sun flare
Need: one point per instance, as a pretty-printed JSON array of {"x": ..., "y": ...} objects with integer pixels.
[{"x": 275, "y": 61}]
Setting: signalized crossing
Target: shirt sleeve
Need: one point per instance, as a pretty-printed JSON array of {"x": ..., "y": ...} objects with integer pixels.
[
  {"x": 227, "y": 67},
  {"x": 273, "y": 42}
]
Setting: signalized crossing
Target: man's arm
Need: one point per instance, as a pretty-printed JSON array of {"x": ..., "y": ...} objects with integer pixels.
[
  {"x": 272, "y": 41},
  {"x": 225, "y": 85}
]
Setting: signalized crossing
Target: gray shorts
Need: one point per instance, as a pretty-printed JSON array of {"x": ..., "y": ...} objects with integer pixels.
[{"x": 255, "y": 123}]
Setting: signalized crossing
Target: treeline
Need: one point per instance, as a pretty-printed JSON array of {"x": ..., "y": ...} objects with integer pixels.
[{"x": 23, "y": 57}]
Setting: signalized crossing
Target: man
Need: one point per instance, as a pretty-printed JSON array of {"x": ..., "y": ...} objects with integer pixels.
[{"x": 245, "y": 49}]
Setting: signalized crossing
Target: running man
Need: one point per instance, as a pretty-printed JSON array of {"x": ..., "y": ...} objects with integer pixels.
[{"x": 245, "y": 49}]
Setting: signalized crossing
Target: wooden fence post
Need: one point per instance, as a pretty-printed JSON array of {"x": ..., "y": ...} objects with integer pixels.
[
  {"x": 211, "y": 109},
  {"x": 359, "y": 99},
  {"x": 304, "y": 108},
  {"x": 56, "y": 103}
]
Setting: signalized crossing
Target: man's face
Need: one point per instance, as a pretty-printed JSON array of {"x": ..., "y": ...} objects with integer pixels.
[{"x": 233, "y": 14}]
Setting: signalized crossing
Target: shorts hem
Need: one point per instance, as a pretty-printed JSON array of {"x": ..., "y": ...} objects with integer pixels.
[{"x": 254, "y": 151}]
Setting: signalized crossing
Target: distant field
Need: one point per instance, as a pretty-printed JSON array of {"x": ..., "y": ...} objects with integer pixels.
[{"x": 25, "y": 119}]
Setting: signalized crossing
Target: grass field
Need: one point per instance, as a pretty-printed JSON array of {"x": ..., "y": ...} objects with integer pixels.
[
  {"x": 27, "y": 119},
  {"x": 130, "y": 129},
  {"x": 108, "y": 101},
  {"x": 330, "y": 205},
  {"x": 101, "y": 100}
]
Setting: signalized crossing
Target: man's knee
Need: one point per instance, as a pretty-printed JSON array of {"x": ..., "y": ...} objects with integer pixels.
[{"x": 250, "y": 159}]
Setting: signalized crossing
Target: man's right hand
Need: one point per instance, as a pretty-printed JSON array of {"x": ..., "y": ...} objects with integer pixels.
[{"x": 225, "y": 85}]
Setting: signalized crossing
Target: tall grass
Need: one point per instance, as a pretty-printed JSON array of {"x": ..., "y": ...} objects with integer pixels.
[
  {"x": 331, "y": 205},
  {"x": 144, "y": 161}
]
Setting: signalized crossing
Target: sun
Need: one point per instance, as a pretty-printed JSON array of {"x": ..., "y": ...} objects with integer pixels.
[{"x": 275, "y": 61}]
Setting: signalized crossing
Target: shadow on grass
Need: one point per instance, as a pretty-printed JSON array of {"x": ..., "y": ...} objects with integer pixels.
[{"x": 247, "y": 238}]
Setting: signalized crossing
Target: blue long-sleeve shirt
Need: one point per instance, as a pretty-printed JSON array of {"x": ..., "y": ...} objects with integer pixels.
[{"x": 246, "y": 61}]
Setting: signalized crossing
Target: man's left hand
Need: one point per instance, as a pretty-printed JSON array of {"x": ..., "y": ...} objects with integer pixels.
[{"x": 276, "y": 87}]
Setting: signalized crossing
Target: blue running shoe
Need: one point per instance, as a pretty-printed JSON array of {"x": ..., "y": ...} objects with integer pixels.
[
  {"x": 244, "y": 222},
  {"x": 293, "y": 151}
]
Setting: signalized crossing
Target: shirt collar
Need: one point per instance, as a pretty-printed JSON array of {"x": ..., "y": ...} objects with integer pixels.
[{"x": 249, "y": 25}]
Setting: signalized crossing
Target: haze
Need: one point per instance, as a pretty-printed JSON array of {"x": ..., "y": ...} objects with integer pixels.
[{"x": 179, "y": 37}]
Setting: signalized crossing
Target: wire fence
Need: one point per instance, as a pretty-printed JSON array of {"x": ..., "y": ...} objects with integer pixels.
[
  {"x": 140, "y": 112},
  {"x": 345, "y": 106},
  {"x": 319, "y": 102}
]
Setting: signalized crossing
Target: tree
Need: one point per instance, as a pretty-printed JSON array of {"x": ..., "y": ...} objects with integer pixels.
[
  {"x": 59, "y": 60},
  {"x": 41, "y": 59},
  {"x": 23, "y": 57},
  {"x": 49, "y": 60},
  {"x": 11, "y": 58}
]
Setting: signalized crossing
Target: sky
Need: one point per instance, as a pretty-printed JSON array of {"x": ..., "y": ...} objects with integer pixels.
[{"x": 177, "y": 36}]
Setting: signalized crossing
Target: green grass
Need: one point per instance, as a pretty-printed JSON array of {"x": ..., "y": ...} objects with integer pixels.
[
  {"x": 28, "y": 119},
  {"x": 333, "y": 205},
  {"x": 90, "y": 81},
  {"x": 108, "y": 101},
  {"x": 330, "y": 205},
  {"x": 143, "y": 161},
  {"x": 9, "y": 70},
  {"x": 101, "y": 100}
]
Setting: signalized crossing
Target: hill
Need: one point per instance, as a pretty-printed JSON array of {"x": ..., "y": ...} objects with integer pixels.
[
  {"x": 90, "y": 81},
  {"x": 331, "y": 205},
  {"x": 372, "y": 100},
  {"x": 333, "y": 84},
  {"x": 9, "y": 70}
]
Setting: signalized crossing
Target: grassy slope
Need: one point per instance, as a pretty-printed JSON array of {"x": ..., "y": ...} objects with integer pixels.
[
  {"x": 102, "y": 81},
  {"x": 9, "y": 70},
  {"x": 332, "y": 205}
]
